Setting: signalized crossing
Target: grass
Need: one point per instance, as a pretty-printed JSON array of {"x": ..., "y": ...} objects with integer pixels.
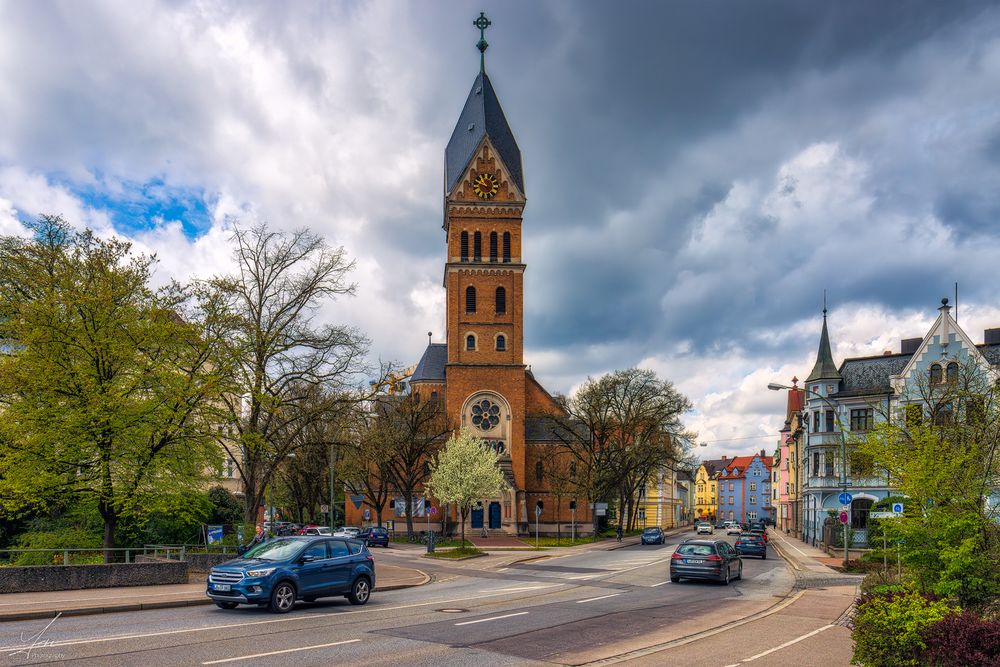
[
  {"x": 459, "y": 552},
  {"x": 557, "y": 542}
]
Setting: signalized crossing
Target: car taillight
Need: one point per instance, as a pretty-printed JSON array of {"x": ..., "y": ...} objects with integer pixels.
[
  {"x": 714, "y": 558},
  {"x": 370, "y": 557},
  {"x": 677, "y": 557}
]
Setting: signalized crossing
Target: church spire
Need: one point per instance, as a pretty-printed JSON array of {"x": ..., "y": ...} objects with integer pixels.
[
  {"x": 482, "y": 23},
  {"x": 824, "y": 369}
]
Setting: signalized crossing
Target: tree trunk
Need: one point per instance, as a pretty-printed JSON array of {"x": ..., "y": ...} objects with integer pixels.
[
  {"x": 409, "y": 512},
  {"x": 463, "y": 513},
  {"x": 110, "y": 517}
]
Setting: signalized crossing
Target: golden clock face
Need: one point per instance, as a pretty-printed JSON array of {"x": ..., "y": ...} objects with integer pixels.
[{"x": 485, "y": 186}]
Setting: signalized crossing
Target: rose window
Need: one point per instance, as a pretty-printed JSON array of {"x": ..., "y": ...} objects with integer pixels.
[{"x": 485, "y": 414}]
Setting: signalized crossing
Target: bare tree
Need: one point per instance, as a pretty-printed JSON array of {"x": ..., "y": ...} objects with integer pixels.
[
  {"x": 277, "y": 352},
  {"x": 364, "y": 466}
]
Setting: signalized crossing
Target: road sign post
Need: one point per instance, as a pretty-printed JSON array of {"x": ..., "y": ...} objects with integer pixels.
[{"x": 538, "y": 513}]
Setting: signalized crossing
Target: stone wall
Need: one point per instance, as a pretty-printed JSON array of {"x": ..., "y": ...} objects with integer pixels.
[{"x": 75, "y": 577}]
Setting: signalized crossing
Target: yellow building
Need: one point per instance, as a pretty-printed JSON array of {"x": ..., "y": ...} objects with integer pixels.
[{"x": 706, "y": 492}]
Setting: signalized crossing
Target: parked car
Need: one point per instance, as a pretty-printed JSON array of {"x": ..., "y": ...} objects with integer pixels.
[
  {"x": 374, "y": 536},
  {"x": 733, "y": 528},
  {"x": 706, "y": 559},
  {"x": 652, "y": 536},
  {"x": 759, "y": 532},
  {"x": 316, "y": 530},
  {"x": 280, "y": 571},
  {"x": 720, "y": 524},
  {"x": 749, "y": 544},
  {"x": 704, "y": 527},
  {"x": 347, "y": 531}
]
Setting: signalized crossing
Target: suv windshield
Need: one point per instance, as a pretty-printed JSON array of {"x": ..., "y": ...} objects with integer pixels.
[{"x": 275, "y": 550}]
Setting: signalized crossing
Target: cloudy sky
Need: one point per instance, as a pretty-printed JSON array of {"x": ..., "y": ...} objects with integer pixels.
[{"x": 697, "y": 173}]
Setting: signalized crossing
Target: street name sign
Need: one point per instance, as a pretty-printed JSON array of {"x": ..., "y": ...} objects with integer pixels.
[{"x": 882, "y": 515}]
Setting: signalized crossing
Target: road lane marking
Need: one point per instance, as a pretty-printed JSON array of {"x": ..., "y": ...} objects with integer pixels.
[
  {"x": 287, "y": 650},
  {"x": 583, "y": 576},
  {"x": 603, "y": 597},
  {"x": 227, "y": 626},
  {"x": 787, "y": 644},
  {"x": 492, "y": 618},
  {"x": 521, "y": 588},
  {"x": 660, "y": 584}
]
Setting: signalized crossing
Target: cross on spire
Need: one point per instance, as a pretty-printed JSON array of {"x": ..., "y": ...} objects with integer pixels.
[{"x": 482, "y": 23}]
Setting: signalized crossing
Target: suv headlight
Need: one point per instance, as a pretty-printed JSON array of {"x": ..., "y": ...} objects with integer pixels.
[{"x": 260, "y": 573}]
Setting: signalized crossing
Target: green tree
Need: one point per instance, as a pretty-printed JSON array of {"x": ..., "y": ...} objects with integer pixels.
[
  {"x": 465, "y": 471},
  {"x": 104, "y": 382}
]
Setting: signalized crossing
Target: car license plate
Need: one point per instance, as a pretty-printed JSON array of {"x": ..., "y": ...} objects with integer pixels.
[
  {"x": 694, "y": 560},
  {"x": 221, "y": 587}
]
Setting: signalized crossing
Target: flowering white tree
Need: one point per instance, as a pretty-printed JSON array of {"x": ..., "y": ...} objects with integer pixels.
[{"x": 465, "y": 471}]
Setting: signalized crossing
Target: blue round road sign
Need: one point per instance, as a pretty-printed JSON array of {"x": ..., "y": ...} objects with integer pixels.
[
  {"x": 846, "y": 498},
  {"x": 897, "y": 508}
]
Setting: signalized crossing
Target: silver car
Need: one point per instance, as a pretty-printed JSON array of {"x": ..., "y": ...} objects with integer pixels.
[{"x": 704, "y": 528}]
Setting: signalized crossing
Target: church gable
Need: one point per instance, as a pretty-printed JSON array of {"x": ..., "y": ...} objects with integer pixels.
[{"x": 486, "y": 179}]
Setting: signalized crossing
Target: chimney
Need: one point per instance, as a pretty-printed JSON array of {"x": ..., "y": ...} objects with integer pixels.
[
  {"x": 991, "y": 336},
  {"x": 724, "y": 457},
  {"x": 909, "y": 345},
  {"x": 762, "y": 453},
  {"x": 887, "y": 353}
]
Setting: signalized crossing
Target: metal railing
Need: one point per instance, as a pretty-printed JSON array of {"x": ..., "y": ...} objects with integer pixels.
[{"x": 178, "y": 552}]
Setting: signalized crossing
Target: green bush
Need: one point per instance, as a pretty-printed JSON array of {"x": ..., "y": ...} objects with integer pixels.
[
  {"x": 888, "y": 628},
  {"x": 66, "y": 538}
]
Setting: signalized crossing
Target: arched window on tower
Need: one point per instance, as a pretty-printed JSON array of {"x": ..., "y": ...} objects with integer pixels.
[
  {"x": 470, "y": 299},
  {"x": 477, "y": 247},
  {"x": 465, "y": 246},
  {"x": 470, "y": 342},
  {"x": 501, "y": 301},
  {"x": 506, "y": 246},
  {"x": 493, "y": 246},
  {"x": 952, "y": 371},
  {"x": 935, "y": 373},
  {"x": 501, "y": 343}
]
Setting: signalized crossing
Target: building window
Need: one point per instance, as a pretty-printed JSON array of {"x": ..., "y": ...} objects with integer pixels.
[
  {"x": 493, "y": 246},
  {"x": 731, "y": 500},
  {"x": 753, "y": 500},
  {"x": 642, "y": 514},
  {"x": 786, "y": 488},
  {"x": 470, "y": 342},
  {"x": 935, "y": 373},
  {"x": 815, "y": 470},
  {"x": 752, "y": 515},
  {"x": 861, "y": 419},
  {"x": 501, "y": 300},
  {"x": 230, "y": 466},
  {"x": 539, "y": 471},
  {"x": 732, "y": 486},
  {"x": 434, "y": 396},
  {"x": 470, "y": 299},
  {"x": 501, "y": 343},
  {"x": 952, "y": 372},
  {"x": 942, "y": 414},
  {"x": 477, "y": 246},
  {"x": 506, "y": 246},
  {"x": 572, "y": 469},
  {"x": 465, "y": 246},
  {"x": 753, "y": 486},
  {"x": 816, "y": 422},
  {"x": 914, "y": 415},
  {"x": 829, "y": 421}
]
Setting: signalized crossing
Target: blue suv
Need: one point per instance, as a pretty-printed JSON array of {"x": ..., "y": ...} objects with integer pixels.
[{"x": 280, "y": 571}]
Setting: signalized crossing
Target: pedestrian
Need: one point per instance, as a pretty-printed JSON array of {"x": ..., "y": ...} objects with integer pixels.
[{"x": 618, "y": 532}]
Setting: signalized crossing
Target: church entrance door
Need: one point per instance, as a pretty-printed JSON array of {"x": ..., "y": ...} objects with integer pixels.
[
  {"x": 494, "y": 516},
  {"x": 477, "y": 517}
]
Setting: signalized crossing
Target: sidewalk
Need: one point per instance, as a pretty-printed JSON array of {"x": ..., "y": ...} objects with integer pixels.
[
  {"x": 811, "y": 565},
  {"x": 22, "y": 606}
]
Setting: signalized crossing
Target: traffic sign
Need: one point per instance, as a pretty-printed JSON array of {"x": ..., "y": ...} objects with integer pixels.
[
  {"x": 538, "y": 511},
  {"x": 433, "y": 510},
  {"x": 368, "y": 515},
  {"x": 844, "y": 517},
  {"x": 390, "y": 524},
  {"x": 897, "y": 508},
  {"x": 846, "y": 498}
]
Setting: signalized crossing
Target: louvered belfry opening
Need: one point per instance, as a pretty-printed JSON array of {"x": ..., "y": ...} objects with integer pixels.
[
  {"x": 501, "y": 301},
  {"x": 470, "y": 299},
  {"x": 493, "y": 246},
  {"x": 506, "y": 247},
  {"x": 465, "y": 246},
  {"x": 477, "y": 247}
]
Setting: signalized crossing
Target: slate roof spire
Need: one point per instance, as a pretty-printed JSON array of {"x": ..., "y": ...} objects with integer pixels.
[
  {"x": 824, "y": 369},
  {"x": 482, "y": 116}
]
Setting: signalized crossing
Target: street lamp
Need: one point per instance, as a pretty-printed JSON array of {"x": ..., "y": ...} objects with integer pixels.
[{"x": 774, "y": 386}]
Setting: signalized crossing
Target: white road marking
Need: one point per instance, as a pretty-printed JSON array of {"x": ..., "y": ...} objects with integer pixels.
[
  {"x": 287, "y": 650},
  {"x": 660, "y": 584},
  {"x": 583, "y": 576},
  {"x": 492, "y": 618},
  {"x": 142, "y": 635},
  {"x": 521, "y": 588},
  {"x": 603, "y": 597},
  {"x": 787, "y": 644}
]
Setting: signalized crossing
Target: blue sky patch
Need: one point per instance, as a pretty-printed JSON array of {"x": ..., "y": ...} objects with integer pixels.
[{"x": 136, "y": 207}]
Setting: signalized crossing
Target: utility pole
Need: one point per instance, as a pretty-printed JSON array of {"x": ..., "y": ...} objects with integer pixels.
[{"x": 329, "y": 462}]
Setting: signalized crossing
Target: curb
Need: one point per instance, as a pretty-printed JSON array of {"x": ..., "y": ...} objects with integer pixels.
[{"x": 87, "y": 611}]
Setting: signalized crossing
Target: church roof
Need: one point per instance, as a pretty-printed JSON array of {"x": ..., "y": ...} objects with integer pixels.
[
  {"x": 545, "y": 428},
  {"x": 824, "y": 369},
  {"x": 431, "y": 365},
  {"x": 481, "y": 116}
]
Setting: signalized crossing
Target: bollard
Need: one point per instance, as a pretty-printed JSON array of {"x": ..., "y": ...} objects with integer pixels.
[{"x": 65, "y": 556}]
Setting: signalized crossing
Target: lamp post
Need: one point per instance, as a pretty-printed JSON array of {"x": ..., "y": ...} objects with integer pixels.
[{"x": 774, "y": 386}]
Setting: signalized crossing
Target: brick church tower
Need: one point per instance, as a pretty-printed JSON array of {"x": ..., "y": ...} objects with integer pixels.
[{"x": 479, "y": 374}]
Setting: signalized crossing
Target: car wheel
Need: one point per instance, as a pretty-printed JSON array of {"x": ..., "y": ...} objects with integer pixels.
[
  {"x": 360, "y": 591},
  {"x": 725, "y": 577},
  {"x": 675, "y": 579},
  {"x": 282, "y": 598},
  {"x": 764, "y": 557},
  {"x": 226, "y": 605},
  {"x": 739, "y": 573}
]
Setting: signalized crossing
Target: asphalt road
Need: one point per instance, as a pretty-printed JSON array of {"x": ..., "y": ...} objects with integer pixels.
[{"x": 562, "y": 610}]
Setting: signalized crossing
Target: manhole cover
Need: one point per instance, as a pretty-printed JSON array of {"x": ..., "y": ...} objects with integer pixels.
[{"x": 453, "y": 610}]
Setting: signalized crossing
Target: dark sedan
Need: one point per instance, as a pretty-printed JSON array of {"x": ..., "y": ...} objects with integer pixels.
[
  {"x": 652, "y": 536},
  {"x": 374, "y": 536},
  {"x": 706, "y": 559},
  {"x": 749, "y": 544}
]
